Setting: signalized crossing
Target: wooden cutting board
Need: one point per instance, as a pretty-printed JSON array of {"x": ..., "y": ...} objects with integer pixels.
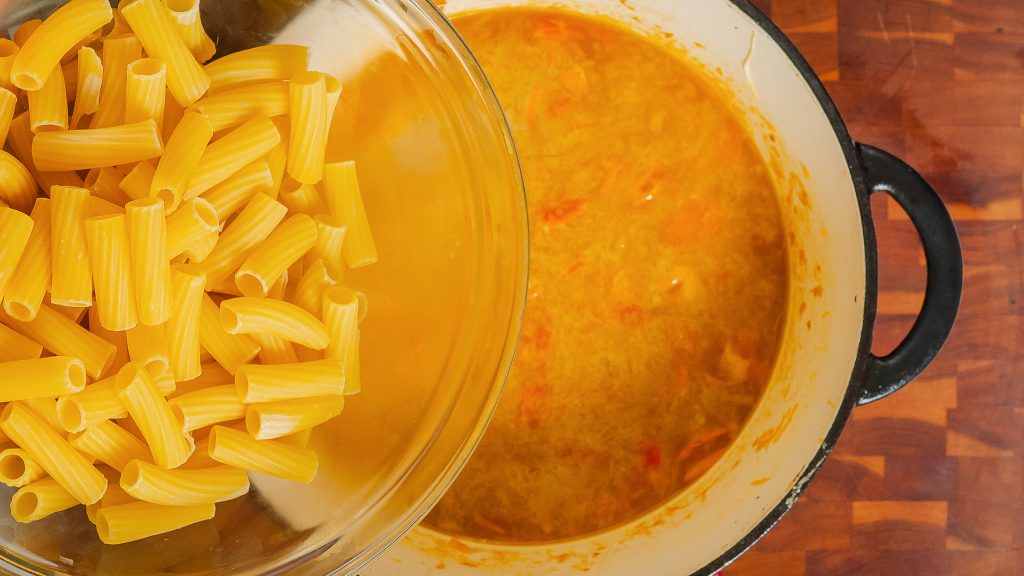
[{"x": 931, "y": 480}]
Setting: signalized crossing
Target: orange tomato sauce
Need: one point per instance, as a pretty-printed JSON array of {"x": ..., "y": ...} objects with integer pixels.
[{"x": 658, "y": 281}]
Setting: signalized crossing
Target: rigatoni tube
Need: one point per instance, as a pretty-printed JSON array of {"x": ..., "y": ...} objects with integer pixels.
[
  {"x": 145, "y": 91},
  {"x": 239, "y": 449},
  {"x": 190, "y": 224},
  {"x": 232, "y": 194},
  {"x": 183, "y": 487},
  {"x": 48, "y": 106},
  {"x": 270, "y": 260},
  {"x": 64, "y": 337},
  {"x": 248, "y": 315},
  {"x": 183, "y": 325},
  {"x": 270, "y": 420},
  {"x": 269, "y": 383},
  {"x": 259, "y": 64},
  {"x": 61, "y": 32},
  {"x": 308, "y": 139},
  {"x": 95, "y": 403},
  {"x": 231, "y": 152},
  {"x": 256, "y": 221},
  {"x": 186, "y": 79},
  {"x": 147, "y": 233},
  {"x": 150, "y": 411},
  {"x": 238, "y": 105},
  {"x": 96, "y": 147},
  {"x": 207, "y": 406},
  {"x": 138, "y": 520},
  {"x": 181, "y": 156},
  {"x": 341, "y": 189},
  {"x": 88, "y": 84},
  {"x": 17, "y": 186},
  {"x": 17, "y": 229},
  {"x": 39, "y": 499},
  {"x": 118, "y": 52},
  {"x": 189, "y": 25},
  {"x": 41, "y": 378},
  {"x": 107, "y": 238},
  {"x": 71, "y": 283},
  {"x": 229, "y": 350},
  {"x": 18, "y": 467}
]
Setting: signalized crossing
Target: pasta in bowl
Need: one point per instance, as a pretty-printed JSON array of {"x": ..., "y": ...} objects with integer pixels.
[{"x": 191, "y": 247}]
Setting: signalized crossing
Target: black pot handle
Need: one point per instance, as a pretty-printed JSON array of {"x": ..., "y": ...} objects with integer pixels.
[{"x": 886, "y": 173}]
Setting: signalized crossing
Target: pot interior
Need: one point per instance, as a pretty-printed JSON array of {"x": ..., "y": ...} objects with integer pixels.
[{"x": 823, "y": 334}]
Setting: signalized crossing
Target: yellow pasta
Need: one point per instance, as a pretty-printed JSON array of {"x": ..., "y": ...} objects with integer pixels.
[
  {"x": 18, "y": 468},
  {"x": 118, "y": 52},
  {"x": 260, "y": 64},
  {"x": 145, "y": 90},
  {"x": 60, "y": 335},
  {"x": 341, "y": 188},
  {"x": 110, "y": 444},
  {"x": 63, "y": 463},
  {"x": 70, "y": 71},
  {"x": 14, "y": 346},
  {"x": 333, "y": 89},
  {"x": 114, "y": 496},
  {"x": 193, "y": 221},
  {"x": 239, "y": 449},
  {"x": 88, "y": 85},
  {"x": 186, "y": 79},
  {"x": 188, "y": 23},
  {"x": 165, "y": 384},
  {"x": 97, "y": 147},
  {"x": 252, "y": 225},
  {"x": 100, "y": 207},
  {"x": 231, "y": 152},
  {"x": 183, "y": 487},
  {"x": 8, "y": 52},
  {"x": 40, "y": 499},
  {"x": 105, "y": 183},
  {"x": 137, "y": 182},
  {"x": 19, "y": 140},
  {"x": 330, "y": 243},
  {"x": 48, "y": 106},
  {"x": 117, "y": 339},
  {"x": 277, "y": 158},
  {"x": 151, "y": 412},
  {"x": 269, "y": 383},
  {"x": 270, "y": 420},
  {"x": 266, "y": 316},
  {"x": 8, "y": 103},
  {"x": 41, "y": 378},
  {"x": 147, "y": 345},
  {"x": 181, "y": 157},
  {"x": 71, "y": 283},
  {"x": 303, "y": 199},
  {"x": 232, "y": 194},
  {"x": 25, "y": 30},
  {"x": 270, "y": 260},
  {"x": 307, "y": 142},
  {"x": 183, "y": 325},
  {"x": 341, "y": 315},
  {"x": 61, "y": 32},
  {"x": 299, "y": 439},
  {"x": 107, "y": 238},
  {"x": 201, "y": 249},
  {"x": 147, "y": 234},
  {"x": 17, "y": 229},
  {"x": 46, "y": 408},
  {"x": 238, "y": 105},
  {"x": 208, "y": 406},
  {"x": 17, "y": 187},
  {"x": 310, "y": 289},
  {"x": 229, "y": 350},
  {"x": 94, "y": 404},
  {"x": 138, "y": 520},
  {"x": 275, "y": 350}
]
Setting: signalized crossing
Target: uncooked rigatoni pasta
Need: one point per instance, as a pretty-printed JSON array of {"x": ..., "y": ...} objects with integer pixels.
[
  {"x": 231, "y": 152},
  {"x": 256, "y": 383},
  {"x": 39, "y": 499},
  {"x": 48, "y": 106},
  {"x": 269, "y": 261},
  {"x": 184, "y": 148},
  {"x": 270, "y": 420},
  {"x": 17, "y": 228},
  {"x": 15, "y": 346},
  {"x": 238, "y": 105},
  {"x": 118, "y": 52},
  {"x": 250, "y": 315},
  {"x": 229, "y": 350},
  {"x": 17, "y": 187},
  {"x": 151, "y": 413},
  {"x": 190, "y": 224},
  {"x": 107, "y": 239},
  {"x": 183, "y": 325},
  {"x": 308, "y": 138},
  {"x": 252, "y": 225},
  {"x": 213, "y": 405},
  {"x": 344, "y": 200},
  {"x": 145, "y": 91},
  {"x": 137, "y": 182},
  {"x": 8, "y": 103},
  {"x": 41, "y": 378},
  {"x": 240, "y": 449},
  {"x": 137, "y": 520},
  {"x": 97, "y": 147},
  {"x": 18, "y": 467},
  {"x": 147, "y": 345},
  {"x": 147, "y": 237},
  {"x": 58, "y": 34},
  {"x": 111, "y": 444},
  {"x": 87, "y": 85},
  {"x": 259, "y": 64},
  {"x": 186, "y": 79},
  {"x": 232, "y": 194},
  {"x": 71, "y": 282},
  {"x": 188, "y": 23},
  {"x": 93, "y": 404},
  {"x": 210, "y": 485}
]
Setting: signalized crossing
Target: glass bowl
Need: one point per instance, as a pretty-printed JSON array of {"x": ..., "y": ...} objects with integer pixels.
[{"x": 445, "y": 199}]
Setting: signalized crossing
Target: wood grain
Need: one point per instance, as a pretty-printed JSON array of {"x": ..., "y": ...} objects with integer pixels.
[{"x": 931, "y": 480}]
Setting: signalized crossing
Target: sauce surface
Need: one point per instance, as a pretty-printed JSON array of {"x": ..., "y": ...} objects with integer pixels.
[{"x": 658, "y": 280}]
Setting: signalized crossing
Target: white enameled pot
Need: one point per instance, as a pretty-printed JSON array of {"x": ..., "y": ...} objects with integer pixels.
[{"x": 825, "y": 366}]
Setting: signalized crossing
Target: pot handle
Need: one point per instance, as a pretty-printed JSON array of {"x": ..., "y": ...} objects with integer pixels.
[{"x": 886, "y": 173}]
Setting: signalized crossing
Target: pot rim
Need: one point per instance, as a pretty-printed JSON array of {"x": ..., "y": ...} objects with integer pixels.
[{"x": 850, "y": 399}]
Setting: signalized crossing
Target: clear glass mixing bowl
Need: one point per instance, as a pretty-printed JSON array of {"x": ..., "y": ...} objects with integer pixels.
[{"x": 444, "y": 196}]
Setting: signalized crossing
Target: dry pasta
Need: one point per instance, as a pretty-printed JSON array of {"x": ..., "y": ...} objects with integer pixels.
[
  {"x": 118, "y": 52},
  {"x": 48, "y": 106},
  {"x": 248, "y": 315},
  {"x": 341, "y": 187},
  {"x": 238, "y": 105},
  {"x": 60, "y": 335},
  {"x": 150, "y": 411},
  {"x": 96, "y": 147},
  {"x": 8, "y": 104},
  {"x": 192, "y": 222},
  {"x": 110, "y": 444},
  {"x": 18, "y": 468},
  {"x": 183, "y": 487},
  {"x": 26, "y": 287},
  {"x": 231, "y": 152},
  {"x": 239, "y": 449},
  {"x": 183, "y": 326},
  {"x": 137, "y": 520},
  {"x": 188, "y": 23},
  {"x": 303, "y": 199},
  {"x": 17, "y": 187},
  {"x": 41, "y": 378},
  {"x": 270, "y": 260},
  {"x": 310, "y": 289},
  {"x": 275, "y": 350},
  {"x": 232, "y": 194},
  {"x": 14, "y": 346},
  {"x": 307, "y": 142},
  {"x": 229, "y": 350},
  {"x": 208, "y": 406},
  {"x": 107, "y": 238},
  {"x": 39, "y": 499},
  {"x": 270, "y": 420},
  {"x": 63, "y": 463},
  {"x": 137, "y": 182},
  {"x": 252, "y": 225},
  {"x": 87, "y": 85},
  {"x": 46, "y": 408},
  {"x": 330, "y": 243},
  {"x": 71, "y": 281},
  {"x": 8, "y": 52},
  {"x": 260, "y": 64},
  {"x": 17, "y": 228},
  {"x": 145, "y": 90},
  {"x": 147, "y": 234},
  {"x": 256, "y": 383},
  {"x": 61, "y": 32},
  {"x": 186, "y": 79},
  {"x": 181, "y": 156},
  {"x": 147, "y": 345},
  {"x": 106, "y": 183},
  {"x": 94, "y": 404}
]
